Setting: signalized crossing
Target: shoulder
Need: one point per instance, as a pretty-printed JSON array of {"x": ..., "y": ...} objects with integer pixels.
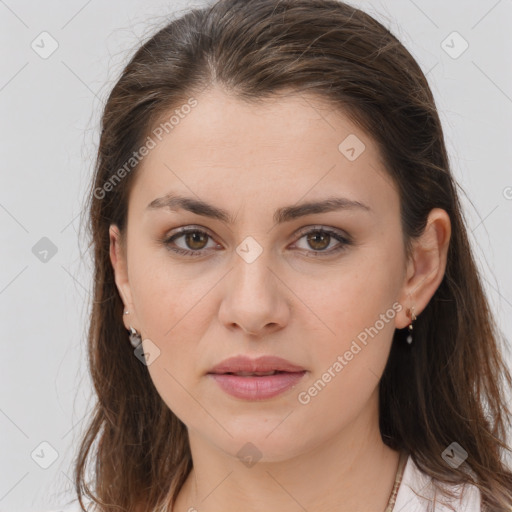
[{"x": 417, "y": 493}]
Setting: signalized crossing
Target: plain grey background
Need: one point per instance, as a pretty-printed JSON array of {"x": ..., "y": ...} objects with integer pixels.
[{"x": 50, "y": 105}]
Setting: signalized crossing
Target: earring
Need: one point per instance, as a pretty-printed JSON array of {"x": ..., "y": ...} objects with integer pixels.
[
  {"x": 413, "y": 318},
  {"x": 135, "y": 338}
]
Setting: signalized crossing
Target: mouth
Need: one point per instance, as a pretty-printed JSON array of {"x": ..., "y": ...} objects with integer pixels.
[
  {"x": 252, "y": 374},
  {"x": 256, "y": 379},
  {"x": 264, "y": 365},
  {"x": 257, "y": 387}
]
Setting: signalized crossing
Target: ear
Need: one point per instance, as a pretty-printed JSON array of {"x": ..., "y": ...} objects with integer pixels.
[
  {"x": 119, "y": 263},
  {"x": 425, "y": 266}
]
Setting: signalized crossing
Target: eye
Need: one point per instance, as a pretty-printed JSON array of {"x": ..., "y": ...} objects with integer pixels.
[
  {"x": 194, "y": 240},
  {"x": 321, "y": 240}
]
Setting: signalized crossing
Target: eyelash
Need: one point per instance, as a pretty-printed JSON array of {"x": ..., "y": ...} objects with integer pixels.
[{"x": 344, "y": 241}]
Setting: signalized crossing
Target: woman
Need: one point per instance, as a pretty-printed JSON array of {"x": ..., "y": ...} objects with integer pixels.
[{"x": 287, "y": 314}]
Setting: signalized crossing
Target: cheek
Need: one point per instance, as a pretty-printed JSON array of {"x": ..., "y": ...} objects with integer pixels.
[
  {"x": 172, "y": 311},
  {"x": 173, "y": 316},
  {"x": 164, "y": 293},
  {"x": 355, "y": 308},
  {"x": 353, "y": 297}
]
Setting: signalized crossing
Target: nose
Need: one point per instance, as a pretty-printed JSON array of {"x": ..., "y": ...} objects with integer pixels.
[{"x": 254, "y": 298}]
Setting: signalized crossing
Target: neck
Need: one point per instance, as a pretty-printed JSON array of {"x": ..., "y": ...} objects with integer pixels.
[{"x": 351, "y": 470}]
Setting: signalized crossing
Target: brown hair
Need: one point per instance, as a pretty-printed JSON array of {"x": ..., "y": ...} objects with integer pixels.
[{"x": 447, "y": 386}]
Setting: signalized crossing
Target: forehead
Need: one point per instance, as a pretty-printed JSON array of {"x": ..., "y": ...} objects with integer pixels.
[{"x": 226, "y": 148}]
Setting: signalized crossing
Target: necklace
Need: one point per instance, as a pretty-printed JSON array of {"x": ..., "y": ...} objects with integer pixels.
[{"x": 398, "y": 479}]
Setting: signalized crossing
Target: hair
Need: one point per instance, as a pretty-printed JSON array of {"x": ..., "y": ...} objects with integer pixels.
[{"x": 449, "y": 385}]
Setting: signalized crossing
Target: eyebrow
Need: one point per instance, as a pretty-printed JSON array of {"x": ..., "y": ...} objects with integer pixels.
[{"x": 176, "y": 202}]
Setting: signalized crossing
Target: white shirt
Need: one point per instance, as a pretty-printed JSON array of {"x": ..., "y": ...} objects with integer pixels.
[{"x": 417, "y": 492}]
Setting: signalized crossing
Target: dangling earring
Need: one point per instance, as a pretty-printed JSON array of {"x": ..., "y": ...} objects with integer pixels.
[
  {"x": 413, "y": 318},
  {"x": 135, "y": 337}
]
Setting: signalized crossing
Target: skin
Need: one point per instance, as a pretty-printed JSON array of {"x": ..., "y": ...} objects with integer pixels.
[{"x": 251, "y": 159}]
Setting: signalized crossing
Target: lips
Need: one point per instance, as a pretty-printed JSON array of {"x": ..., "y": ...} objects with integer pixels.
[
  {"x": 256, "y": 379},
  {"x": 261, "y": 365},
  {"x": 254, "y": 374}
]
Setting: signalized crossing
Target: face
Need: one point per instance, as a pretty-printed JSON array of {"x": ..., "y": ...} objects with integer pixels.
[{"x": 320, "y": 287}]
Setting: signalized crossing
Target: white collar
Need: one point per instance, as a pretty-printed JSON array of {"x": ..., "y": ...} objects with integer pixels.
[{"x": 417, "y": 493}]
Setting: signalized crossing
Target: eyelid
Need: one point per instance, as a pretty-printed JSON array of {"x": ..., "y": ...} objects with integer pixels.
[
  {"x": 183, "y": 230},
  {"x": 327, "y": 229}
]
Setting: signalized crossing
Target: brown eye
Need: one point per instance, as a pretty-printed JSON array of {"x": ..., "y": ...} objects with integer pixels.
[
  {"x": 196, "y": 240},
  {"x": 323, "y": 242},
  {"x": 190, "y": 242},
  {"x": 319, "y": 240}
]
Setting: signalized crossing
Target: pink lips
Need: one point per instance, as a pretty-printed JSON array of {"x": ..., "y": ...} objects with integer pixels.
[{"x": 250, "y": 384}]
